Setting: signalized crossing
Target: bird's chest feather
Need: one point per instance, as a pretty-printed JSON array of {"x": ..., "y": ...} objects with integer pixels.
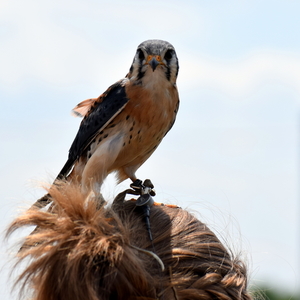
[
  {"x": 150, "y": 112},
  {"x": 144, "y": 121}
]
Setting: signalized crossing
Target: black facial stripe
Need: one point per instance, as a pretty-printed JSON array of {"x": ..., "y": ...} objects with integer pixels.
[
  {"x": 168, "y": 71},
  {"x": 140, "y": 72},
  {"x": 177, "y": 67}
]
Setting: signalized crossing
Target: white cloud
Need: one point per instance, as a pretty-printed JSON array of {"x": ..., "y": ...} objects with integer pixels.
[
  {"x": 40, "y": 48},
  {"x": 51, "y": 40},
  {"x": 67, "y": 42},
  {"x": 245, "y": 75}
]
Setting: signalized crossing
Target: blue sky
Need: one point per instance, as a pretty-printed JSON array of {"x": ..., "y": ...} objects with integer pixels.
[{"x": 232, "y": 157}]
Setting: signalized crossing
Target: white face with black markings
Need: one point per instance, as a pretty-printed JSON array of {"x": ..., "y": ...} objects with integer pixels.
[{"x": 154, "y": 58}]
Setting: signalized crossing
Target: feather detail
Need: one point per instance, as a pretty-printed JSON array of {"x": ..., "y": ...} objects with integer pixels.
[{"x": 81, "y": 109}]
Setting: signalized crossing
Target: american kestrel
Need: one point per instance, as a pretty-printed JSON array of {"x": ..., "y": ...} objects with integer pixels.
[{"x": 123, "y": 126}]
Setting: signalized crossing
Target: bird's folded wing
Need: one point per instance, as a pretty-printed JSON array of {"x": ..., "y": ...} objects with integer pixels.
[
  {"x": 98, "y": 113},
  {"x": 81, "y": 109}
]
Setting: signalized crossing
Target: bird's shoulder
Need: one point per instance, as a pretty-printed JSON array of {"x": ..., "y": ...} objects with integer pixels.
[
  {"x": 98, "y": 113},
  {"x": 84, "y": 108}
]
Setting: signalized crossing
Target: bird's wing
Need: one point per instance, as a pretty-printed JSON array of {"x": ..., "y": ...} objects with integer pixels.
[
  {"x": 81, "y": 109},
  {"x": 101, "y": 111}
]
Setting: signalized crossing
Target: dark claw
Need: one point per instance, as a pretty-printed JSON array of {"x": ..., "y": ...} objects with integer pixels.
[
  {"x": 139, "y": 187},
  {"x": 148, "y": 183},
  {"x": 137, "y": 184},
  {"x": 152, "y": 193}
]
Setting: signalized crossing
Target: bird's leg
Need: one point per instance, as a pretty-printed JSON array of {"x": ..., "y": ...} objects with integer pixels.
[
  {"x": 97, "y": 196},
  {"x": 92, "y": 192}
]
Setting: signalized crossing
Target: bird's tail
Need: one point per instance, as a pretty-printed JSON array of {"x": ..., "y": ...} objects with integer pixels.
[
  {"x": 63, "y": 175},
  {"x": 42, "y": 202}
]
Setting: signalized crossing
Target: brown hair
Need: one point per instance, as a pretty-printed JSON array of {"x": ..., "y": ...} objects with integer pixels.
[{"x": 80, "y": 252}]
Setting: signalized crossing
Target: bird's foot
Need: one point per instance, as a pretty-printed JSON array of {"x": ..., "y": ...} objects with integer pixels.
[
  {"x": 142, "y": 188},
  {"x": 145, "y": 200}
]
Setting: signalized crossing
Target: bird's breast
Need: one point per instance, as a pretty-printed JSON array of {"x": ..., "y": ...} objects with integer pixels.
[
  {"x": 148, "y": 116},
  {"x": 141, "y": 125},
  {"x": 150, "y": 106}
]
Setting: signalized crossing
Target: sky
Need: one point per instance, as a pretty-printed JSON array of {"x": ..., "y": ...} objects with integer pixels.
[{"x": 232, "y": 157}]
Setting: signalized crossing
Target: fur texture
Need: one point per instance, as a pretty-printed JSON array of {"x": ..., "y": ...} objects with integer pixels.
[{"x": 80, "y": 252}]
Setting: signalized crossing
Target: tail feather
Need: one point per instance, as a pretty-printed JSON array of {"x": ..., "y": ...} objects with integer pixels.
[
  {"x": 46, "y": 199},
  {"x": 42, "y": 202}
]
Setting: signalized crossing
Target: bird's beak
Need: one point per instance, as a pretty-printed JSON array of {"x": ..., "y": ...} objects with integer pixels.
[{"x": 154, "y": 61}]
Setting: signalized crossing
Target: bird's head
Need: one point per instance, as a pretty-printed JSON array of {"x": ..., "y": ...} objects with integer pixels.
[{"x": 154, "y": 58}]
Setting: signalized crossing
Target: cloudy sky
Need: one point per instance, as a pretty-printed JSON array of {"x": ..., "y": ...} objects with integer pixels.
[{"x": 232, "y": 157}]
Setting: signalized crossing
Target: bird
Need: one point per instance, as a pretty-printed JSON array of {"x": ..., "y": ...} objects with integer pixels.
[{"x": 124, "y": 125}]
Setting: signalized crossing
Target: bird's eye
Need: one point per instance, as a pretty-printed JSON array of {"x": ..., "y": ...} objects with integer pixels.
[
  {"x": 141, "y": 54},
  {"x": 169, "y": 54}
]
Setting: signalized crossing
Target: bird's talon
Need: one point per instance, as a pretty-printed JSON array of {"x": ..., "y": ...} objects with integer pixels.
[
  {"x": 143, "y": 188},
  {"x": 152, "y": 193},
  {"x": 137, "y": 185},
  {"x": 148, "y": 183}
]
